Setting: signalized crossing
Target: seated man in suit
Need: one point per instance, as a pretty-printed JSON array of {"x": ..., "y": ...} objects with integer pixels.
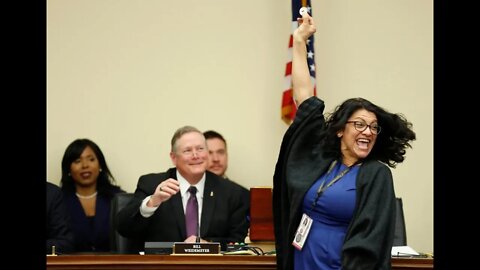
[
  {"x": 59, "y": 233},
  {"x": 157, "y": 212}
]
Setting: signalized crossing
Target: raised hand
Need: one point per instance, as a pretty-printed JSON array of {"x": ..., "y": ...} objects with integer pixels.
[
  {"x": 301, "y": 83},
  {"x": 306, "y": 28}
]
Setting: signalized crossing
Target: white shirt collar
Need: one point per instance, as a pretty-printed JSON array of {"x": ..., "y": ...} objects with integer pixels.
[{"x": 184, "y": 185}]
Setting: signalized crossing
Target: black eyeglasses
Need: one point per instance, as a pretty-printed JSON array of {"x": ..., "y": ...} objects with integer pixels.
[{"x": 362, "y": 126}]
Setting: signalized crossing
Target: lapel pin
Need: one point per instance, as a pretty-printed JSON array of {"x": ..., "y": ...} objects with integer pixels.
[{"x": 211, "y": 193}]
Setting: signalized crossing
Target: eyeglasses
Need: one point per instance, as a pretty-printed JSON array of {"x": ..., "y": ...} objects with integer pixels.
[
  {"x": 189, "y": 152},
  {"x": 362, "y": 126}
]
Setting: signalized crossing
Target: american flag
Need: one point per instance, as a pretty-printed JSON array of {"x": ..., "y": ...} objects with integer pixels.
[{"x": 288, "y": 105}]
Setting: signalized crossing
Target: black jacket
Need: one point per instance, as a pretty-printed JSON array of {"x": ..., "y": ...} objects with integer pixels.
[{"x": 59, "y": 234}]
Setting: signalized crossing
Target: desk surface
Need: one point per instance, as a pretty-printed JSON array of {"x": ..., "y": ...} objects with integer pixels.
[{"x": 189, "y": 262}]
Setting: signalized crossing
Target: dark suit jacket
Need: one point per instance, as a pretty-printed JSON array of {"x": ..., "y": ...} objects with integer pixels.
[
  {"x": 91, "y": 234},
  {"x": 245, "y": 197},
  {"x": 223, "y": 213},
  {"x": 58, "y": 230}
]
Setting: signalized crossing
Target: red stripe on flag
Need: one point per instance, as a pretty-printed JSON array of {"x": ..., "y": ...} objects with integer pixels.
[{"x": 288, "y": 69}]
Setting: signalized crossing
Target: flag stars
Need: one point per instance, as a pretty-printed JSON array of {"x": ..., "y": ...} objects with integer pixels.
[
  {"x": 312, "y": 67},
  {"x": 310, "y": 54}
]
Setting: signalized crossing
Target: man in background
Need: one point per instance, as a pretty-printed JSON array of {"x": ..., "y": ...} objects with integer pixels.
[{"x": 218, "y": 161}]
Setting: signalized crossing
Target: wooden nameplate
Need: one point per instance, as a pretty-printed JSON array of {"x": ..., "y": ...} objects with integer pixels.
[{"x": 182, "y": 248}]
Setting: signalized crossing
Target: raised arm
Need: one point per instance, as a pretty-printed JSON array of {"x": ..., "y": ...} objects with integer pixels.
[{"x": 301, "y": 82}]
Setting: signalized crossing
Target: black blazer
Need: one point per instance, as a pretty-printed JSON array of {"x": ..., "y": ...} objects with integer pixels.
[
  {"x": 91, "y": 235},
  {"x": 245, "y": 197},
  {"x": 59, "y": 233},
  {"x": 223, "y": 214}
]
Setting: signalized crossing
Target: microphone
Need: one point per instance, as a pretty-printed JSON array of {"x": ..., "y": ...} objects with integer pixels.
[{"x": 198, "y": 227}]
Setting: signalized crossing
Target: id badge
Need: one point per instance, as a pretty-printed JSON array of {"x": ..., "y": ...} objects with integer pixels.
[{"x": 302, "y": 232}]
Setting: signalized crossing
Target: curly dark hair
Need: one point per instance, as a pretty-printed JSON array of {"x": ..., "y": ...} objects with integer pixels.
[
  {"x": 390, "y": 146},
  {"x": 105, "y": 181}
]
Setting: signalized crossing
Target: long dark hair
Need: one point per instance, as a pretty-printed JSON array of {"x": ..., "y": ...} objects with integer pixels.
[
  {"x": 105, "y": 181},
  {"x": 392, "y": 141}
]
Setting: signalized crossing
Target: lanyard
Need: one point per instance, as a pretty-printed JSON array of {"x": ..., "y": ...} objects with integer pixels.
[{"x": 322, "y": 186}]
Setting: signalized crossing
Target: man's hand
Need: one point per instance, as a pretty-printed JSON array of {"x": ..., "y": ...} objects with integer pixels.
[{"x": 164, "y": 191}]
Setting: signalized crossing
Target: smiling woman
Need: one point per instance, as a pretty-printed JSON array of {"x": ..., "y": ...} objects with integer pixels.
[
  {"x": 333, "y": 172},
  {"x": 88, "y": 188}
]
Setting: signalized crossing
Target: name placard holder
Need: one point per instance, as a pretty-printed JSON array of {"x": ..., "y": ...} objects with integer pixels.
[
  {"x": 53, "y": 252},
  {"x": 181, "y": 248}
]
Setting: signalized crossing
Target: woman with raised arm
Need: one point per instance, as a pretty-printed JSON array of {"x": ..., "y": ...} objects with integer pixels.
[{"x": 333, "y": 193}]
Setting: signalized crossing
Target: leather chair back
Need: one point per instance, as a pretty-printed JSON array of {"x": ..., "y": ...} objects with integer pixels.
[
  {"x": 118, "y": 243},
  {"x": 400, "y": 238}
]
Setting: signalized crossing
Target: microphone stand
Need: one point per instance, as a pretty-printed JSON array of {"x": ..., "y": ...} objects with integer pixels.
[{"x": 198, "y": 226}]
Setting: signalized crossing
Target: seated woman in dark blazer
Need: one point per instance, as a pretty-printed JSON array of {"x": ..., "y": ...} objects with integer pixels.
[{"x": 88, "y": 188}]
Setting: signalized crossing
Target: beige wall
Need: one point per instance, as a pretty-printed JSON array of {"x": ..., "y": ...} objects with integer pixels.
[{"x": 127, "y": 74}]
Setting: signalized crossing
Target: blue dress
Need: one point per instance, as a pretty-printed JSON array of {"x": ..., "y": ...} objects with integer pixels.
[{"x": 331, "y": 216}]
